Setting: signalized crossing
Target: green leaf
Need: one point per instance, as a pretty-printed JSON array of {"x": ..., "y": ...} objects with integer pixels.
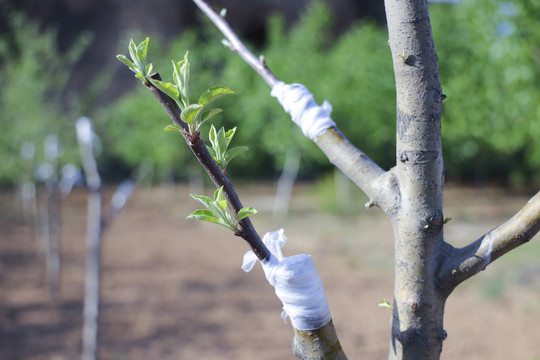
[
  {"x": 218, "y": 146},
  {"x": 217, "y": 210},
  {"x": 203, "y": 215},
  {"x": 228, "y": 137},
  {"x": 214, "y": 149},
  {"x": 234, "y": 152},
  {"x": 190, "y": 112},
  {"x": 209, "y": 203},
  {"x": 205, "y": 200},
  {"x": 142, "y": 49},
  {"x": 209, "y": 114},
  {"x": 167, "y": 88},
  {"x": 149, "y": 69},
  {"x": 245, "y": 212},
  {"x": 230, "y": 133},
  {"x": 127, "y": 62},
  {"x": 385, "y": 304},
  {"x": 213, "y": 94},
  {"x": 177, "y": 76},
  {"x": 212, "y": 152},
  {"x": 222, "y": 140},
  {"x": 181, "y": 77},
  {"x": 140, "y": 75},
  {"x": 184, "y": 71},
  {"x": 222, "y": 204},
  {"x": 133, "y": 53},
  {"x": 138, "y": 59},
  {"x": 212, "y": 135},
  {"x": 218, "y": 194},
  {"x": 228, "y": 223},
  {"x": 220, "y": 199},
  {"x": 173, "y": 127}
]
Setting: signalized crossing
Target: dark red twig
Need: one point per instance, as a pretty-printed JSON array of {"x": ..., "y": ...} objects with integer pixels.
[{"x": 199, "y": 149}]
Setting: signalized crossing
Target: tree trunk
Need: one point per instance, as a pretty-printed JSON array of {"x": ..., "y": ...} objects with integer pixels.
[
  {"x": 86, "y": 138},
  {"x": 417, "y": 324}
]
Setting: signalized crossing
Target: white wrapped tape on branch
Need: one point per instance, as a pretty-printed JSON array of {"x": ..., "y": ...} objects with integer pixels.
[
  {"x": 300, "y": 104},
  {"x": 297, "y": 284}
]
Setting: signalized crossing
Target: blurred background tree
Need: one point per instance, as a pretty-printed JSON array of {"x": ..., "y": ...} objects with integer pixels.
[
  {"x": 488, "y": 55},
  {"x": 489, "y": 58},
  {"x": 33, "y": 74}
]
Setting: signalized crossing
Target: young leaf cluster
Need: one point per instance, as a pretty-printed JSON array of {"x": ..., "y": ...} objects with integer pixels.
[
  {"x": 220, "y": 141},
  {"x": 216, "y": 211},
  {"x": 192, "y": 114},
  {"x": 138, "y": 55}
]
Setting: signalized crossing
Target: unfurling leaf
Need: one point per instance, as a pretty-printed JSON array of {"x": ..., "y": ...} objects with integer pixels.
[
  {"x": 235, "y": 151},
  {"x": 211, "y": 151},
  {"x": 203, "y": 215},
  {"x": 385, "y": 304},
  {"x": 142, "y": 49},
  {"x": 173, "y": 127},
  {"x": 126, "y": 61},
  {"x": 167, "y": 88},
  {"x": 137, "y": 64},
  {"x": 212, "y": 135},
  {"x": 220, "y": 141},
  {"x": 176, "y": 75},
  {"x": 149, "y": 69},
  {"x": 209, "y": 114},
  {"x": 245, "y": 212},
  {"x": 214, "y": 93},
  {"x": 190, "y": 112},
  {"x": 220, "y": 199},
  {"x": 184, "y": 70},
  {"x": 133, "y": 53},
  {"x": 205, "y": 200}
]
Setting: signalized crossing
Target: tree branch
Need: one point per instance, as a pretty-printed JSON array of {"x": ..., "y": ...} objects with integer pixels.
[
  {"x": 199, "y": 149},
  {"x": 236, "y": 45},
  {"x": 472, "y": 259},
  {"x": 345, "y": 156},
  {"x": 375, "y": 182}
]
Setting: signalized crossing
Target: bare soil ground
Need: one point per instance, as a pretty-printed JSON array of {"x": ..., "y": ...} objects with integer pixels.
[{"x": 173, "y": 288}]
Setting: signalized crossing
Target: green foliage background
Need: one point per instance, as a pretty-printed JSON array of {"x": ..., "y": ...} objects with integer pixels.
[
  {"x": 489, "y": 57},
  {"x": 33, "y": 75}
]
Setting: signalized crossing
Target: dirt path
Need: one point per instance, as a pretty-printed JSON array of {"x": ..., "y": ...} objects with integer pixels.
[{"x": 173, "y": 289}]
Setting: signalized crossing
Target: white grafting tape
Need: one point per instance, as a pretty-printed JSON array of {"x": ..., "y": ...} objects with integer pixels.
[
  {"x": 297, "y": 284},
  {"x": 300, "y": 104}
]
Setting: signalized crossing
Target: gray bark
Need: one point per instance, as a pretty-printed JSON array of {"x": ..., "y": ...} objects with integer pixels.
[
  {"x": 94, "y": 230},
  {"x": 417, "y": 324},
  {"x": 92, "y": 277}
]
